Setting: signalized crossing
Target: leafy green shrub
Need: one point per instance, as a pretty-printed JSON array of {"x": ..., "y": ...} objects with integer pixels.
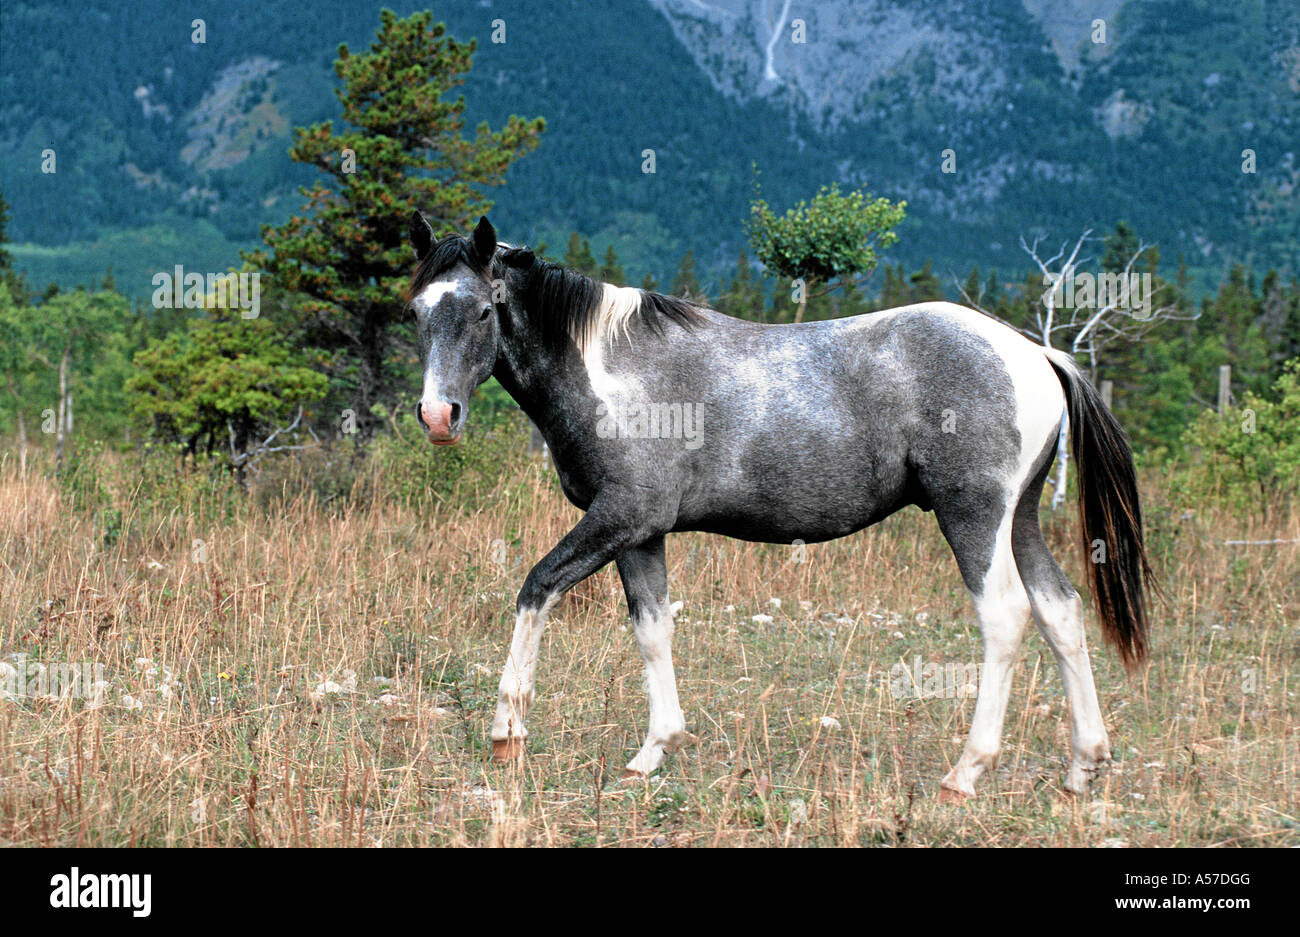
[{"x": 1249, "y": 458}]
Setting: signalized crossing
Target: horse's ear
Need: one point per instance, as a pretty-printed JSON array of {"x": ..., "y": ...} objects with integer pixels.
[
  {"x": 484, "y": 241},
  {"x": 421, "y": 235},
  {"x": 518, "y": 257}
]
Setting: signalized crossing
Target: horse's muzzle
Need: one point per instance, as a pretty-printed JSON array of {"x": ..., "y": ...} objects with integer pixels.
[{"x": 439, "y": 420}]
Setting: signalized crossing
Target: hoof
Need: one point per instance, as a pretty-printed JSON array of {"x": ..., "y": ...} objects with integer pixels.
[
  {"x": 950, "y": 795},
  {"x": 505, "y": 751},
  {"x": 630, "y": 774}
]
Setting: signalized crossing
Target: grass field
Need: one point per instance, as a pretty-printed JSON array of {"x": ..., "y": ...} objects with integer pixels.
[{"x": 287, "y": 673}]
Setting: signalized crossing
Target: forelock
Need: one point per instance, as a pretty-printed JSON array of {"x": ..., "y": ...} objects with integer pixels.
[{"x": 444, "y": 256}]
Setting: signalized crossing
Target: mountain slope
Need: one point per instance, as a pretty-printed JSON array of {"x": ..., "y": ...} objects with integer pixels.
[{"x": 1050, "y": 132}]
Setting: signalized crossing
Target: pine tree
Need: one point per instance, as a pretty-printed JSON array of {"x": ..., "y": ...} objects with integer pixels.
[
  {"x": 685, "y": 282},
  {"x": 1120, "y": 246},
  {"x": 8, "y": 276},
  {"x": 346, "y": 254},
  {"x": 895, "y": 291},
  {"x": 610, "y": 270},
  {"x": 744, "y": 294},
  {"x": 993, "y": 294},
  {"x": 578, "y": 255},
  {"x": 924, "y": 285},
  {"x": 221, "y": 384}
]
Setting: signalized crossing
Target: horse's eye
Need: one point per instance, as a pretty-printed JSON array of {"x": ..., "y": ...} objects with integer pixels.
[{"x": 487, "y": 311}]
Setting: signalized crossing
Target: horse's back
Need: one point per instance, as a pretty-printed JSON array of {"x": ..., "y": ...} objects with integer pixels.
[{"x": 820, "y": 429}]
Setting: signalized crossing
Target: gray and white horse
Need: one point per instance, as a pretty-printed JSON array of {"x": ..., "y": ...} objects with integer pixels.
[{"x": 800, "y": 432}]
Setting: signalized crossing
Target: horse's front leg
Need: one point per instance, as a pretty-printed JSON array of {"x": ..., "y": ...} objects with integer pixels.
[
  {"x": 645, "y": 580},
  {"x": 609, "y": 526}
]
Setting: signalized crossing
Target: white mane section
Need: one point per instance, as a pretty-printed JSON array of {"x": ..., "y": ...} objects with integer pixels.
[{"x": 617, "y": 306}]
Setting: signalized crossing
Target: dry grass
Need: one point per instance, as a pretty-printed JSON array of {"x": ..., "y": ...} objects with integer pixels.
[{"x": 211, "y": 733}]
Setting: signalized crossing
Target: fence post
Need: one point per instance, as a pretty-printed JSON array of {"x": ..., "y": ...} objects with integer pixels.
[
  {"x": 1107, "y": 392},
  {"x": 1225, "y": 387}
]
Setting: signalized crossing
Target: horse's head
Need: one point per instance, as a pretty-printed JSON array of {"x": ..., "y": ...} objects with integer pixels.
[{"x": 453, "y": 303}]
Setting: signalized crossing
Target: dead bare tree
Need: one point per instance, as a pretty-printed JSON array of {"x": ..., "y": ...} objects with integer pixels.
[
  {"x": 242, "y": 462},
  {"x": 1084, "y": 312}
]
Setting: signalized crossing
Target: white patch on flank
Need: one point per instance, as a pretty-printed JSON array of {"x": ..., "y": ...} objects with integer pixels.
[
  {"x": 435, "y": 291},
  {"x": 1040, "y": 400}
]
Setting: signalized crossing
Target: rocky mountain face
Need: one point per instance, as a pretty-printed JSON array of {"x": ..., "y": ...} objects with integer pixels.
[{"x": 1105, "y": 103}]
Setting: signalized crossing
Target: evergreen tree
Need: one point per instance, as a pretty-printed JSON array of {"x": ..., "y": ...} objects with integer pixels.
[
  {"x": 346, "y": 254},
  {"x": 1119, "y": 248},
  {"x": 924, "y": 285},
  {"x": 685, "y": 282},
  {"x": 578, "y": 255},
  {"x": 610, "y": 270},
  {"x": 895, "y": 291},
  {"x": 993, "y": 293},
  {"x": 17, "y": 363},
  {"x": 743, "y": 296},
  {"x": 8, "y": 276}
]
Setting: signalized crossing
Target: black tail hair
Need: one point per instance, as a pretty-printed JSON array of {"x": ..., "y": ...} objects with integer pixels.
[{"x": 1109, "y": 512}]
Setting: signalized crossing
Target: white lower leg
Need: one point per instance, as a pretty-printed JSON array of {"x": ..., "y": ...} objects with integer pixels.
[
  {"x": 654, "y": 635},
  {"x": 515, "y": 693},
  {"x": 1061, "y": 623},
  {"x": 985, "y": 740},
  {"x": 1003, "y": 612}
]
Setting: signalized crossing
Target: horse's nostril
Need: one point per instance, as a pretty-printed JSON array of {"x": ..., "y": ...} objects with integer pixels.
[
  {"x": 419, "y": 414},
  {"x": 455, "y": 414}
]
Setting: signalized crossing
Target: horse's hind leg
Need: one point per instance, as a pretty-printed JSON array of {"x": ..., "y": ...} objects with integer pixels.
[
  {"x": 645, "y": 580},
  {"x": 1058, "y": 611},
  {"x": 978, "y": 529}
]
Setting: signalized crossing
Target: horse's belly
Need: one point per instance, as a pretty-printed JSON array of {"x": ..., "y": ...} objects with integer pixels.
[{"x": 812, "y": 510}]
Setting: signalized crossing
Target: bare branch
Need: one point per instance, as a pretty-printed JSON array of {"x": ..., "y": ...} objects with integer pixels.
[{"x": 251, "y": 456}]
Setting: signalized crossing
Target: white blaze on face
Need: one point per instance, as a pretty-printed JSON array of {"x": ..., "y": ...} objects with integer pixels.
[
  {"x": 435, "y": 291},
  {"x": 428, "y": 299}
]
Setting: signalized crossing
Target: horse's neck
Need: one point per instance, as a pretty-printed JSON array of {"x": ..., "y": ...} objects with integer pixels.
[{"x": 546, "y": 382}]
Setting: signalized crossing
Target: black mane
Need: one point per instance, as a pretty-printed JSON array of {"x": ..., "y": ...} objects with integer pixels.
[{"x": 563, "y": 303}]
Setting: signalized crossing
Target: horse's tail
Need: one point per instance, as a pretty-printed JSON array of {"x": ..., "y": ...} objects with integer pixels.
[{"x": 1109, "y": 513}]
